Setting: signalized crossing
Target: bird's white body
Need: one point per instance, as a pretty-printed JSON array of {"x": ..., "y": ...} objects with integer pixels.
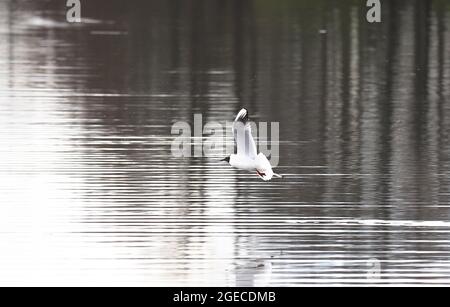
[
  {"x": 242, "y": 162},
  {"x": 246, "y": 157},
  {"x": 259, "y": 164}
]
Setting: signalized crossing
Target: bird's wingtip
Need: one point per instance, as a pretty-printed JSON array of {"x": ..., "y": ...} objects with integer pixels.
[{"x": 242, "y": 115}]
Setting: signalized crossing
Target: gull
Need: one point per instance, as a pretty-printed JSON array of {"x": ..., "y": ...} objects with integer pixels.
[{"x": 246, "y": 157}]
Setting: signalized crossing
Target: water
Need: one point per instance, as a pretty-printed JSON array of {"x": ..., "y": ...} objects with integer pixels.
[{"x": 91, "y": 195}]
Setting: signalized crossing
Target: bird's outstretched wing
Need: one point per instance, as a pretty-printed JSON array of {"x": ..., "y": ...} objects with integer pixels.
[{"x": 243, "y": 135}]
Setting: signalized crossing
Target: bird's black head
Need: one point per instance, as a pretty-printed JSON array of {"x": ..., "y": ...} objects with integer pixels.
[{"x": 227, "y": 159}]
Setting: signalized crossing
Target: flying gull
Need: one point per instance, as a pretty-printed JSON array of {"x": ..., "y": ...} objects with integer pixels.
[{"x": 246, "y": 157}]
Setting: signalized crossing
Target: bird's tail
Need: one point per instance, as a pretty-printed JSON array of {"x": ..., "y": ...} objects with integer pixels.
[{"x": 277, "y": 175}]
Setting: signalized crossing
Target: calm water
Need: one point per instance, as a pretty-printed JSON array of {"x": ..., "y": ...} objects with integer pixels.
[{"x": 91, "y": 195}]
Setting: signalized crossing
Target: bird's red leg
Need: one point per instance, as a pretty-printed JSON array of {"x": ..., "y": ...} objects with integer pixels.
[{"x": 260, "y": 174}]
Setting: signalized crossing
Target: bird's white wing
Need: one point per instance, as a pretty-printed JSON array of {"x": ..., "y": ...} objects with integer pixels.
[{"x": 243, "y": 135}]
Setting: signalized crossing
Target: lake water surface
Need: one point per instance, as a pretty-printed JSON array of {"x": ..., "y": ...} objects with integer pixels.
[{"x": 90, "y": 193}]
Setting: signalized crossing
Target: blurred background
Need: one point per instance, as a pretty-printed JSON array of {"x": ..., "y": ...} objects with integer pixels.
[{"x": 91, "y": 195}]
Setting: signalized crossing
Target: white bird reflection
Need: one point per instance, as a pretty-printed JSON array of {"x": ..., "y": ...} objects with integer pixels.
[{"x": 253, "y": 272}]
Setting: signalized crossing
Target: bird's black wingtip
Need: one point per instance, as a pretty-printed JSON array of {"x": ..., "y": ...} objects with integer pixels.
[{"x": 242, "y": 115}]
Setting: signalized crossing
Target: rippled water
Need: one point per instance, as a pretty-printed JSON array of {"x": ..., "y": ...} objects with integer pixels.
[{"x": 90, "y": 193}]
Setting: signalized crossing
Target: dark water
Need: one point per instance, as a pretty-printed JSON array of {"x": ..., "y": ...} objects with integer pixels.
[{"x": 90, "y": 193}]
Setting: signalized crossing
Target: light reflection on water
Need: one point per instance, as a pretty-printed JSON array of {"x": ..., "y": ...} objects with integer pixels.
[{"x": 90, "y": 193}]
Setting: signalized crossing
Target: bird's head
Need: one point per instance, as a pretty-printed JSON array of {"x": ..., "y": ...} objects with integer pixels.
[{"x": 226, "y": 159}]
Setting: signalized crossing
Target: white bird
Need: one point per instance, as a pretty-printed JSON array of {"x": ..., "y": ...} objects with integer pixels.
[{"x": 246, "y": 157}]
